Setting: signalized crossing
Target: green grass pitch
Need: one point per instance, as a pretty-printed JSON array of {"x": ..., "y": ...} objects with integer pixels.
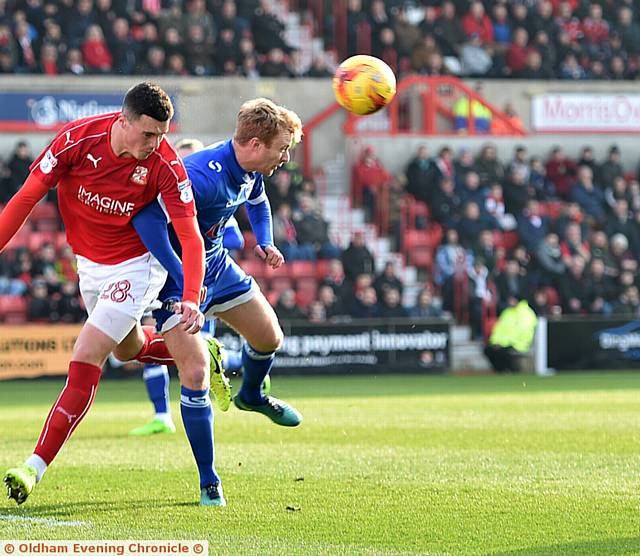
[{"x": 385, "y": 465}]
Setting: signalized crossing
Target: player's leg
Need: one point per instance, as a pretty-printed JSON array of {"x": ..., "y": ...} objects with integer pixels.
[
  {"x": 193, "y": 359},
  {"x": 90, "y": 352},
  {"x": 257, "y": 322},
  {"x": 156, "y": 381},
  {"x": 115, "y": 297}
]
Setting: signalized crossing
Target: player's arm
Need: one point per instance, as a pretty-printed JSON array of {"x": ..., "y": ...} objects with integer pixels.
[
  {"x": 232, "y": 238},
  {"x": 151, "y": 225},
  {"x": 259, "y": 211},
  {"x": 19, "y": 207}
]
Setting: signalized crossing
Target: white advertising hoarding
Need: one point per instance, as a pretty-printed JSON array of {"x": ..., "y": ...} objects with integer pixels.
[{"x": 585, "y": 113}]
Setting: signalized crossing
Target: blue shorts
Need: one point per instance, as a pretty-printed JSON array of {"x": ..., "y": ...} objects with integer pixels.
[{"x": 227, "y": 286}]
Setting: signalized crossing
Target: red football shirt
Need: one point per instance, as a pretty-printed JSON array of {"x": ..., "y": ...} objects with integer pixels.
[{"x": 99, "y": 192}]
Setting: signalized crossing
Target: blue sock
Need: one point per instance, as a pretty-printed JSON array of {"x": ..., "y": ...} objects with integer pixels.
[
  {"x": 156, "y": 379},
  {"x": 197, "y": 417},
  {"x": 256, "y": 366},
  {"x": 232, "y": 360}
]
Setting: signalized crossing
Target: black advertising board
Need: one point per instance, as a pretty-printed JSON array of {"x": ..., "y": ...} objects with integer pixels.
[
  {"x": 371, "y": 346},
  {"x": 593, "y": 343}
]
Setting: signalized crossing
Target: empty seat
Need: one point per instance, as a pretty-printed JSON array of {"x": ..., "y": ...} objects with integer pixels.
[
  {"x": 302, "y": 269},
  {"x": 13, "y": 309}
]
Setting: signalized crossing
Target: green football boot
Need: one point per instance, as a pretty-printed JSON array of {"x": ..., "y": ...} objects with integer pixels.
[
  {"x": 20, "y": 482},
  {"x": 211, "y": 495},
  {"x": 266, "y": 386},
  {"x": 279, "y": 411},
  {"x": 157, "y": 426},
  {"x": 220, "y": 385}
]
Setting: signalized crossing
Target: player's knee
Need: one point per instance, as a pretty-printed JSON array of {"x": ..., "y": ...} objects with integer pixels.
[
  {"x": 126, "y": 353},
  {"x": 194, "y": 373},
  {"x": 271, "y": 341}
]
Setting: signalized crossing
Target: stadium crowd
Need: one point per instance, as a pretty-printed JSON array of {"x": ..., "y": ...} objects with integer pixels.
[
  {"x": 173, "y": 37},
  {"x": 563, "y": 233},
  {"x": 543, "y": 39}
]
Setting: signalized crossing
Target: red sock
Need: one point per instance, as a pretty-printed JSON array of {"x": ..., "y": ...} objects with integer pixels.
[
  {"x": 70, "y": 408},
  {"x": 154, "y": 350}
]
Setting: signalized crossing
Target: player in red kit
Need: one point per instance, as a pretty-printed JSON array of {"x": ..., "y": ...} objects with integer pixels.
[{"x": 107, "y": 168}]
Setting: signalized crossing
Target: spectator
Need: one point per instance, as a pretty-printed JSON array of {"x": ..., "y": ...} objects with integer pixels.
[
  {"x": 472, "y": 224},
  {"x": 357, "y": 259},
  {"x": 332, "y": 305},
  {"x": 268, "y": 30},
  {"x": 487, "y": 165},
  {"x": 286, "y": 307},
  {"x": 274, "y": 66},
  {"x": 369, "y": 176},
  {"x": 446, "y": 204},
  {"x": 628, "y": 30},
  {"x": 313, "y": 230},
  {"x": 574, "y": 245},
  {"x": 621, "y": 222},
  {"x": 95, "y": 52},
  {"x": 366, "y": 304},
  {"x": 318, "y": 68},
  {"x": 68, "y": 308},
  {"x": 286, "y": 238},
  {"x": 481, "y": 114},
  {"x": 124, "y": 49},
  {"x": 518, "y": 53},
  {"x": 199, "y": 49},
  {"x": 538, "y": 180},
  {"x": 477, "y": 22},
  {"x": 40, "y": 308},
  {"x": 464, "y": 165},
  {"x": 475, "y": 60},
  {"x": 588, "y": 196},
  {"x": 450, "y": 258},
  {"x": 517, "y": 192},
  {"x": 74, "y": 64},
  {"x": 49, "y": 61},
  {"x": 532, "y": 227},
  {"x": 390, "y": 306},
  {"x": 19, "y": 164},
  {"x": 549, "y": 264},
  {"x": 511, "y": 337},
  {"x": 449, "y": 30},
  {"x": 484, "y": 248},
  {"x": 610, "y": 168},
  {"x": 573, "y": 290},
  {"x": 628, "y": 303},
  {"x": 420, "y": 178},
  {"x": 426, "y": 306},
  {"x": 494, "y": 206},
  {"x": 335, "y": 279},
  {"x": 387, "y": 279},
  {"x": 511, "y": 124},
  {"x": 79, "y": 21},
  {"x": 154, "y": 63},
  {"x": 622, "y": 257},
  {"x": 511, "y": 284},
  {"x": 317, "y": 312},
  {"x": 601, "y": 290},
  {"x": 561, "y": 170},
  {"x": 280, "y": 190}
]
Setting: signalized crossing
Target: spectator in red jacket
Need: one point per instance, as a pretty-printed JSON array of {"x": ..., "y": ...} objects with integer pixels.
[
  {"x": 369, "y": 176},
  {"x": 561, "y": 170},
  {"x": 97, "y": 58},
  {"x": 518, "y": 52},
  {"x": 477, "y": 22}
]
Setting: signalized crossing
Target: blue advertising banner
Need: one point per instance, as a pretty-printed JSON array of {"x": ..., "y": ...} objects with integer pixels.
[{"x": 49, "y": 111}]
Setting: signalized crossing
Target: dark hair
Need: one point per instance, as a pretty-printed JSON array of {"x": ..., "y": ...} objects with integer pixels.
[{"x": 147, "y": 99}]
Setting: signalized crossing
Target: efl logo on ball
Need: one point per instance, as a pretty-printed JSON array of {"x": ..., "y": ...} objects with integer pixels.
[{"x": 364, "y": 84}]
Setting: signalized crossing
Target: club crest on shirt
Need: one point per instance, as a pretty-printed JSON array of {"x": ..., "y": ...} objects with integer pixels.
[
  {"x": 48, "y": 162},
  {"x": 140, "y": 175}
]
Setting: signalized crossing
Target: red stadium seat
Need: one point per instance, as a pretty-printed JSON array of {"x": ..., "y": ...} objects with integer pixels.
[
  {"x": 38, "y": 239},
  {"x": 307, "y": 284},
  {"x": 272, "y": 297},
  {"x": 281, "y": 283},
  {"x": 13, "y": 309},
  {"x": 421, "y": 257},
  {"x": 253, "y": 267},
  {"x": 305, "y": 298},
  {"x": 302, "y": 269},
  {"x": 21, "y": 239},
  {"x": 510, "y": 240},
  {"x": 415, "y": 238},
  {"x": 553, "y": 297},
  {"x": 322, "y": 268},
  {"x": 45, "y": 217}
]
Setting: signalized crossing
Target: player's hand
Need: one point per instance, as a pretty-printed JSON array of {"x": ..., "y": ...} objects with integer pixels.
[
  {"x": 270, "y": 255},
  {"x": 192, "y": 318}
]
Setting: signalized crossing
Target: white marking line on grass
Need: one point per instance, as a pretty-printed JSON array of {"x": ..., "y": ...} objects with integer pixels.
[{"x": 43, "y": 520}]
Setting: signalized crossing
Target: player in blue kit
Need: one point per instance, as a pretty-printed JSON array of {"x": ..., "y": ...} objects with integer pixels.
[
  {"x": 223, "y": 177},
  {"x": 156, "y": 376}
]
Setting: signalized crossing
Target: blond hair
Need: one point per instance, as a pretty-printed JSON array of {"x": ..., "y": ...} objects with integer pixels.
[{"x": 264, "y": 119}]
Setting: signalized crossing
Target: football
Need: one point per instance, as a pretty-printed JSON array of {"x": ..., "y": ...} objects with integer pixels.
[{"x": 364, "y": 84}]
